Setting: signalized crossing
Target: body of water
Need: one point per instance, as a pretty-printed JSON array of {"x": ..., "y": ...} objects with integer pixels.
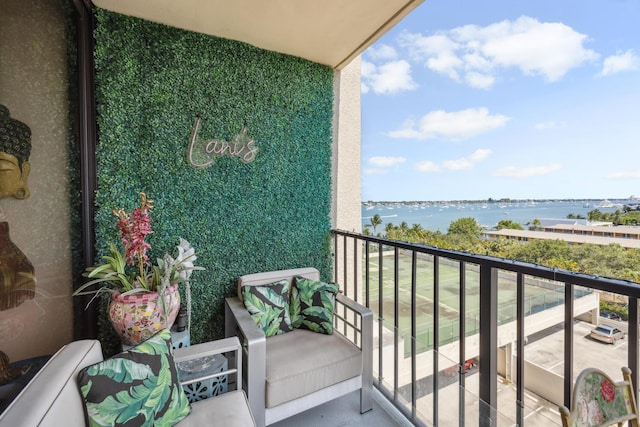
[{"x": 439, "y": 215}]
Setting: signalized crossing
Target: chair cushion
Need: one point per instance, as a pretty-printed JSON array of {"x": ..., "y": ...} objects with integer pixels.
[
  {"x": 269, "y": 306},
  {"x": 295, "y": 366},
  {"x": 312, "y": 304},
  {"x": 138, "y": 387},
  {"x": 229, "y": 410}
]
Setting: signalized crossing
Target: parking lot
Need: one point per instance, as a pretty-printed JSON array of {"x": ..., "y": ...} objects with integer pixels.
[{"x": 548, "y": 351}]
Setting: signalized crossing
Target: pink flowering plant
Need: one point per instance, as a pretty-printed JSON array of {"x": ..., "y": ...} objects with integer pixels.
[{"x": 132, "y": 272}]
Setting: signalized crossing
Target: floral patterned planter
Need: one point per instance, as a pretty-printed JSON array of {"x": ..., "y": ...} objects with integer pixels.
[{"x": 138, "y": 317}]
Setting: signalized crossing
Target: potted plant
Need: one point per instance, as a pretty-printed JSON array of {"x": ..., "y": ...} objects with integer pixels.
[{"x": 144, "y": 297}]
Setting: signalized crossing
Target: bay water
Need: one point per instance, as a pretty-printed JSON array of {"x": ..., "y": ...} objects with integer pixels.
[{"x": 439, "y": 215}]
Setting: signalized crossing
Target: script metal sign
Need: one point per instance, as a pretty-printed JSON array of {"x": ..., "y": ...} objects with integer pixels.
[{"x": 201, "y": 153}]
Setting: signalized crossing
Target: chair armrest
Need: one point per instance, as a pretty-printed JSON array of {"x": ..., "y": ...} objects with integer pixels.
[
  {"x": 366, "y": 345},
  {"x": 211, "y": 348},
  {"x": 366, "y": 318},
  {"x": 354, "y": 306},
  {"x": 238, "y": 321}
]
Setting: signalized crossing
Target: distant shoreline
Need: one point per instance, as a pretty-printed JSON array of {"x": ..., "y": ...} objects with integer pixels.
[{"x": 410, "y": 202}]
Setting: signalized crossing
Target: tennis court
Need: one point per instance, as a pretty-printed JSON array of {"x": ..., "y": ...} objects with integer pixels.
[{"x": 537, "y": 298}]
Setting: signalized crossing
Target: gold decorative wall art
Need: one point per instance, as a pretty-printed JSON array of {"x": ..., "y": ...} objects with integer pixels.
[
  {"x": 15, "y": 148},
  {"x": 17, "y": 279}
]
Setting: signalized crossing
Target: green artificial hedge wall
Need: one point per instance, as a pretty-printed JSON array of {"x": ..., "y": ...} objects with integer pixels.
[{"x": 152, "y": 81}]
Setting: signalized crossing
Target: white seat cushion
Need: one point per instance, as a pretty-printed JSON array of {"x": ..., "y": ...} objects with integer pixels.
[
  {"x": 295, "y": 367},
  {"x": 226, "y": 410}
]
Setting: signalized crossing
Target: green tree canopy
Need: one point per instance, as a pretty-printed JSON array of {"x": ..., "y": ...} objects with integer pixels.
[
  {"x": 509, "y": 224},
  {"x": 466, "y": 227}
]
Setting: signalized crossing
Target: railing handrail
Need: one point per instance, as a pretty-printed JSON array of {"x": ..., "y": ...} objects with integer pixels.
[
  {"x": 618, "y": 286},
  {"x": 488, "y": 268}
]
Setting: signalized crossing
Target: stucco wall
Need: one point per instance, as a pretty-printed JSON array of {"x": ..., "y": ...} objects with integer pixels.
[{"x": 346, "y": 209}]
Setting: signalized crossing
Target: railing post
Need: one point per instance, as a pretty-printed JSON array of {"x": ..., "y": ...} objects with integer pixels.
[
  {"x": 520, "y": 350},
  {"x": 436, "y": 335},
  {"x": 568, "y": 343},
  {"x": 380, "y": 312},
  {"x": 488, "y": 345},
  {"x": 414, "y": 333},
  {"x": 462, "y": 338},
  {"x": 396, "y": 320},
  {"x": 633, "y": 343}
]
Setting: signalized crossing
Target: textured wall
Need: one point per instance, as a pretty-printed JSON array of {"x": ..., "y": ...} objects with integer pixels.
[
  {"x": 34, "y": 85},
  {"x": 152, "y": 83}
]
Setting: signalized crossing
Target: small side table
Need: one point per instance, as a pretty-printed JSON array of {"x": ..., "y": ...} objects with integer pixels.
[
  {"x": 199, "y": 368},
  {"x": 180, "y": 339}
]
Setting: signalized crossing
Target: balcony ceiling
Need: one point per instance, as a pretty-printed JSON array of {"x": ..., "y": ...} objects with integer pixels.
[{"x": 330, "y": 32}]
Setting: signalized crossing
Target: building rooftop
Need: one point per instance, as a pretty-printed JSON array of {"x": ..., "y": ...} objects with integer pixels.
[{"x": 570, "y": 238}]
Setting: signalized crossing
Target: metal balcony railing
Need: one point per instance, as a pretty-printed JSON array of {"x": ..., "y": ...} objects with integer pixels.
[{"x": 429, "y": 302}]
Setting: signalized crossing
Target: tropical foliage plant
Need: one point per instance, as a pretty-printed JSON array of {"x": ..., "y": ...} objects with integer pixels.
[{"x": 132, "y": 272}]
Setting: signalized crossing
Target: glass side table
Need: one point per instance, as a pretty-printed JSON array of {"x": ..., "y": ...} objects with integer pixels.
[{"x": 199, "y": 368}]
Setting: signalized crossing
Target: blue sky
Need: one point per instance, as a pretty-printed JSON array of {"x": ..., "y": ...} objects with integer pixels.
[{"x": 521, "y": 99}]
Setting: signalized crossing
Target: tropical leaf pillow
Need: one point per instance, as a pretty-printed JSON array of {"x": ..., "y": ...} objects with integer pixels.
[
  {"x": 269, "y": 306},
  {"x": 313, "y": 304},
  {"x": 138, "y": 387}
]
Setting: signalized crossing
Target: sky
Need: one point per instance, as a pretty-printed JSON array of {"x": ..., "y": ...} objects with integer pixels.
[{"x": 520, "y": 99}]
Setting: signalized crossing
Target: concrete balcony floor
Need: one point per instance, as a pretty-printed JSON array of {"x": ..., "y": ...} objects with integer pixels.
[{"x": 345, "y": 411}]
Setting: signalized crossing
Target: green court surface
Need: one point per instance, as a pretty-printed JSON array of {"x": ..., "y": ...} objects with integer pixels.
[{"x": 537, "y": 297}]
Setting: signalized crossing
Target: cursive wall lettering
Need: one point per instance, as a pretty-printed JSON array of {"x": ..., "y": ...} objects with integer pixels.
[{"x": 201, "y": 153}]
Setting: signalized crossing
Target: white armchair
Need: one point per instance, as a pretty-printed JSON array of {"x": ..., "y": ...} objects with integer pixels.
[
  {"x": 289, "y": 373},
  {"x": 52, "y": 397}
]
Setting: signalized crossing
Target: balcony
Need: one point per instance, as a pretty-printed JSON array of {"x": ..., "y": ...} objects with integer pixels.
[{"x": 425, "y": 299}]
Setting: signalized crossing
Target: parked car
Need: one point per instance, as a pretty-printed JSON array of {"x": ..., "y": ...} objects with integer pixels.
[
  {"x": 610, "y": 315},
  {"x": 470, "y": 363},
  {"x": 606, "y": 333}
]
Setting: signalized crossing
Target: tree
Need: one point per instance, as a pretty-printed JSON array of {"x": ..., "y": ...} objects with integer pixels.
[
  {"x": 535, "y": 225},
  {"x": 508, "y": 224},
  {"x": 595, "y": 215},
  {"x": 466, "y": 227},
  {"x": 375, "y": 221}
]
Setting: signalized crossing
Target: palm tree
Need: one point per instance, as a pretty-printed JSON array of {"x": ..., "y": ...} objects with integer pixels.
[{"x": 375, "y": 221}]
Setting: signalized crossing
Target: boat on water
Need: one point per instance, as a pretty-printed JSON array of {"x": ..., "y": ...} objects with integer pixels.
[{"x": 606, "y": 203}]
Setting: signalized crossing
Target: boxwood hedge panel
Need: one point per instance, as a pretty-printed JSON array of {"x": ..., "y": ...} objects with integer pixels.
[{"x": 152, "y": 82}]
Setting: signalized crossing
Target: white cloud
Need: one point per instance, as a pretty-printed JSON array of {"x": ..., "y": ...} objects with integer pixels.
[
  {"x": 466, "y": 163},
  {"x": 479, "y": 80},
  {"x": 627, "y": 61},
  {"x": 388, "y": 78},
  {"x": 474, "y": 55},
  {"x": 426, "y": 166},
  {"x": 463, "y": 163},
  {"x": 373, "y": 171},
  {"x": 519, "y": 172},
  {"x": 479, "y": 155},
  {"x": 382, "y": 52},
  {"x": 455, "y": 125},
  {"x": 624, "y": 175},
  {"x": 386, "y": 161},
  {"x": 545, "y": 125}
]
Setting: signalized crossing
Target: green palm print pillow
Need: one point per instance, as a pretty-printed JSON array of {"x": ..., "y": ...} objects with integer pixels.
[
  {"x": 313, "y": 304},
  {"x": 138, "y": 387},
  {"x": 269, "y": 306}
]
